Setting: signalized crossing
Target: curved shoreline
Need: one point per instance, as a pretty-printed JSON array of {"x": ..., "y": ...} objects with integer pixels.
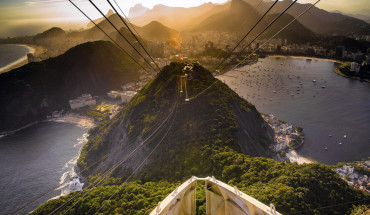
[
  {"x": 35, "y": 50},
  {"x": 336, "y": 70},
  {"x": 304, "y": 57},
  {"x": 20, "y": 61},
  {"x": 80, "y": 120}
]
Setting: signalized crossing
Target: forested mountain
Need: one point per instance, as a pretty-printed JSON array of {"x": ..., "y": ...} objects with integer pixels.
[{"x": 36, "y": 89}]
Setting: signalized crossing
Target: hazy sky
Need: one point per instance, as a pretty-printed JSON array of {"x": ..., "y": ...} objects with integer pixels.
[{"x": 17, "y": 15}]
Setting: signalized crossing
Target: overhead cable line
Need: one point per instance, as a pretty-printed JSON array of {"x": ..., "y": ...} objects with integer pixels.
[
  {"x": 121, "y": 34},
  {"x": 259, "y": 47},
  {"x": 133, "y": 34},
  {"x": 59, "y": 185},
  {"x": 229, "y": 54},
  {"x": 106, "y": 34},
  {"x": 245, "y": 22},
  {"x": 140, "y": 39},
  {"x": 106, "y": 173},
  {"x": 272, "y": 22},
  {"x": 141, "y": 164},
  {"x": 83, "y": 170},
  {"x": 132, "y": 26}
]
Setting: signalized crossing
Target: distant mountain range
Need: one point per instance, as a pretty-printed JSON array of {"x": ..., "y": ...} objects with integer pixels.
[
  {"x": 363, "y": 15},
  {"x": 36, "y": 89},
  {"x": 241, "y": 16},
  {"x": 178, "y": 18},
  {"x": 321, "y": 21},
  {"x": 154, "y": 31},
  {"x": 205, "y": 17}
]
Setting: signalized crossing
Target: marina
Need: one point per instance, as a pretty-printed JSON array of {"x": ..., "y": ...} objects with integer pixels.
[{"x": 291, "y": 89}]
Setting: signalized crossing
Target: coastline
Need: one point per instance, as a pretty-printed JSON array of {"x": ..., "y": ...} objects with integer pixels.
[
  {"x": 81, "y": 120},
  {"x": 304, "y": 57},
  {"x": 73, "y": 172},
  {"x": 293, "y": 156},
  {"x": 35, "y": 50}
]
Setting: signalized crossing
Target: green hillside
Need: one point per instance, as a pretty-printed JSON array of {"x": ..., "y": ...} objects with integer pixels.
[{"x": 218, "y": 117}]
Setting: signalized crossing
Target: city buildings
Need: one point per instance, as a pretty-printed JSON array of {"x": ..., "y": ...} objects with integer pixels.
[
  {"x": 354, "y": 178},
  {"x": 285, "y": 135}
]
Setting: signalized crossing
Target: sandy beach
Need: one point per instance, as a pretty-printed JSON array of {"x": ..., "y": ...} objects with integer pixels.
[
  {"x": 75, "y": 119},
  {"x": 295, "y": 157},
  {"x": 35, "y": 50}
]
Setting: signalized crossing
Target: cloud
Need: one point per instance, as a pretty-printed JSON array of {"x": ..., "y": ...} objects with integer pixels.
[
  {"x": 45, "y": 2},
  {"x": 41, "y": 3}
]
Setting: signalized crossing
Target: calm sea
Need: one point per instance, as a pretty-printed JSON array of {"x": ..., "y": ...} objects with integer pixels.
[
  {"x": 333, "y": 105},
  {"x": 37, "y": 159},
  {"x": 10, "y": 53}
]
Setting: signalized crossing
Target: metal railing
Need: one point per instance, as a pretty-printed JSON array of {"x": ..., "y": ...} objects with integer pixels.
[{"x": 221, "y": 199}]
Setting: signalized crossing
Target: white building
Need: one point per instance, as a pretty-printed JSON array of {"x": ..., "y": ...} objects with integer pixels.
[
  {"x": 76, "y": 103},
  {"x": 84, "y": 100},
  {"x": 127, "y": 96},
  {"x": 128, "y": 86},
  {"x": 355, "y": 67},
  {"x": 113, "y": 94},
  {"x": 90, "y": 102}
]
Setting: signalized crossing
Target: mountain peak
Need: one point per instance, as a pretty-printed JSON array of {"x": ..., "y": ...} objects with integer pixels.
[
  {"x": 110, "y": 12},
  {"x": 52, "y": 32},
  {"x": 240, "y": 6},
  {"x": 137, "y": 10},
  {"x": 155, "y": 23}
]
